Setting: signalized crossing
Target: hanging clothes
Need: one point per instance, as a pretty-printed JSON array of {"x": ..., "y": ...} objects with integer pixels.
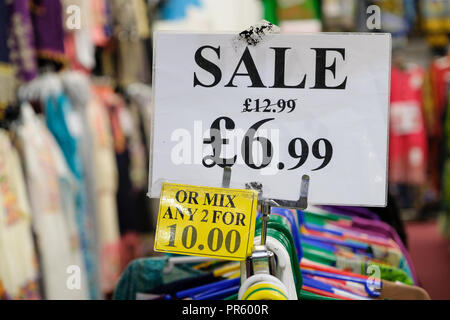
[
  {"x": 141, "y": 94},
  {"x": 21, "y": 37},
  {"x": 128, "y": 216},
  {"x": 90, "y": 122},
  {"x": 131, "y": 123},
  {"x": 100, "y": 22},
  {"x": 434, "y": 18},
  {"x": 52, "y": 190},
  {"x": 18, "y": 261},
  {"x": 79, "y": 40},
  {"x": 66, "y": 128},
  {"x": 76, "y": 87},
  {"x": 407, "y": 136},
  {"x": 339, "y": 15},
  {"x": 46, "y": 16},
  {"x": 130, "y": 30},
  {"x": 106, "y": 184}
]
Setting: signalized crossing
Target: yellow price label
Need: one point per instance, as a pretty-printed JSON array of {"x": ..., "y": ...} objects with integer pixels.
[{"x": 204, "y": 221}]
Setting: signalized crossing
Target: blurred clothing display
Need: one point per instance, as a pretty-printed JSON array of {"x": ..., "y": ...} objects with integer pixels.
[
  {"x": 76, "y": 133},
  {"x": 52, "y": 190},
  {"x": 46, "y": 16},
  {"x": 407, "y": 139},
  {"x": 212, "y": 15},
  {"x": 339, "y": 15},
  {"x": 65, "y": 127},
  {"x": 436, "y": 21},
  {"x": 21, "y": 39},
  {"x": 106, "y": 181},
  {"x": 18, "y": 262},
  {"x": 294, "y": 15}
]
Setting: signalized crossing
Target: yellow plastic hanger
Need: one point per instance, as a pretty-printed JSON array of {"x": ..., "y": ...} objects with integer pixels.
[{"x": 264, "y": 291}]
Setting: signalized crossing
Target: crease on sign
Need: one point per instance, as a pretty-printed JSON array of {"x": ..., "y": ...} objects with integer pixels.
[{"x": 255, "y": 34}]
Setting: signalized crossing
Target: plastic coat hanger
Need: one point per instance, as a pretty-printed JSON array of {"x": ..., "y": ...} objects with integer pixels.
[
  {"x": 335, "y": 248},
  {"x": 372, "y": 293},
  {"x": 260, "y": 278},
  {"x": 323, "y": 216},
  {"x": 372, "y": 243},
  {"x": 264, "y": 291},
  {"x": 313, "y": 227},
  {"x": 319, "y": 254},
  {"x": 216, "y": 286},
  {"x": 323, "y": 293},
  {"x": 317, "y": 244},
  {"x": 279, "y": 241},
  {"x": 278, "y": 228},
  {"x": 283, "y": 270},
  {"x": 230, "y": 268},
  {"x": 217, "y": 295},
  {"x": 310, "y": 295},
  {"x": 355, "y": 246},
  {"x": 309, "y": 264},
  {"x": 311, "y": 283},
  {"x": 359, "y": 235},
  {"x": 333, "y": 231},
  {"x": 351, "y": 287}
]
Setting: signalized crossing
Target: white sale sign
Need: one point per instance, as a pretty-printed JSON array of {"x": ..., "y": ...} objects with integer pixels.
[{"x": 274, "y": 110}]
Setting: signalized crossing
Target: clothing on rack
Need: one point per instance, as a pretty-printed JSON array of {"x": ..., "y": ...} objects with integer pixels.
[
  {"x": 52, "y": 189},
  {"x": 106, "y": 181},
  {"x": 19, "y": 272},
  {"x": 62, "y": 122},
  {"x": 128, "y": 215},
  {"x": 89, "y": 119},
  {"x": 46, "y": 16},
  {"x": 21, "y": 37},
  {"x": 407, "y": 138}
]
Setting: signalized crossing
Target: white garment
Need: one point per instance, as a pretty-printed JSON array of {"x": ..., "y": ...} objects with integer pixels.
[
  {"x": 18, "y": 268},
  {"x": 51, "y": 188}
]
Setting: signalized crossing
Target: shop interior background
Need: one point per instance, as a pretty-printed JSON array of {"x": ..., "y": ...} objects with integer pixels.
[{"x": 52, "y": 45}]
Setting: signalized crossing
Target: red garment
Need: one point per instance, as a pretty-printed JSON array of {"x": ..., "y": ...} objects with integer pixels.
[{"x": 407, "y": 137}]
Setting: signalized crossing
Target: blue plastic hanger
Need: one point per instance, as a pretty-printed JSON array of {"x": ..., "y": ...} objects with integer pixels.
[
  {"x": 310, "y": 282},
  {"x": 217, "y": 294},
  {"x": 370, "y": 292},
  {"x": 215, "y": 286},
  {"x": 314, "y": 227},
  {"x": 344, "y": 243}
]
